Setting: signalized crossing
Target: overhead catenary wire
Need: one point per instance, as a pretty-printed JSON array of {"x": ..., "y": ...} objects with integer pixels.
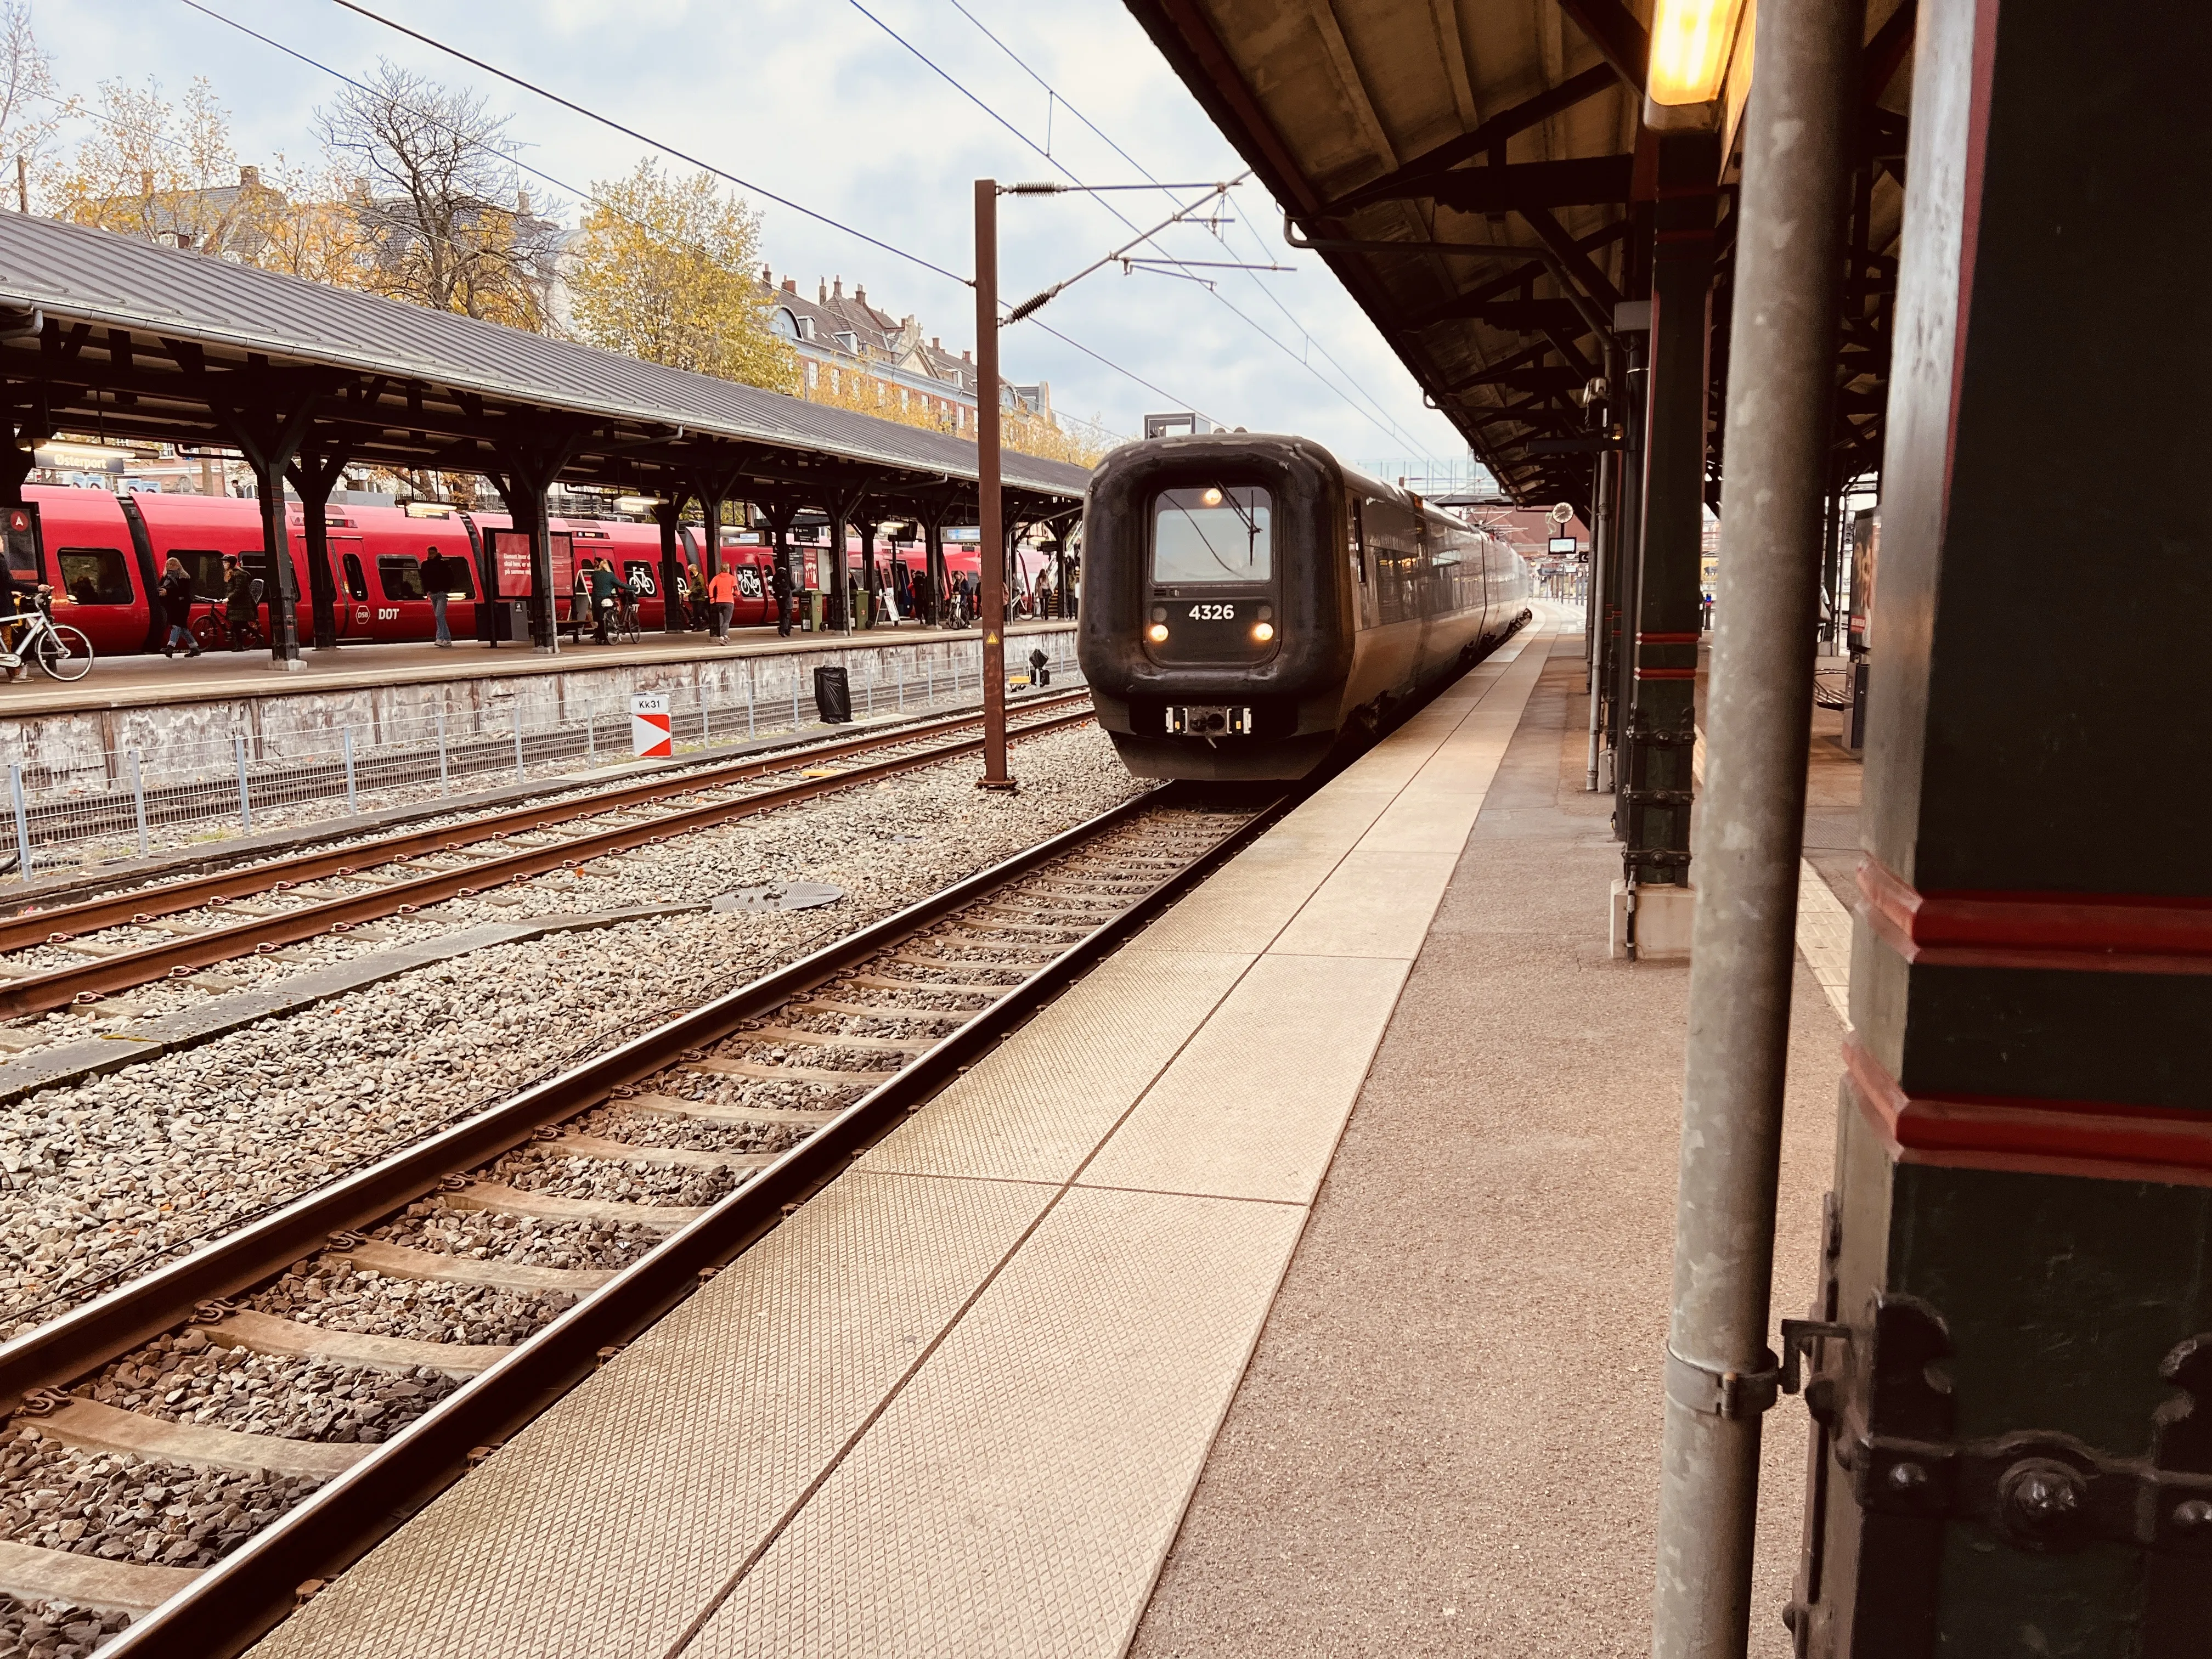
[
  {"x": 1096, "y": 356},
  {"x": 1273, "y": 299},
  {"x": 1381, "y": 417}
]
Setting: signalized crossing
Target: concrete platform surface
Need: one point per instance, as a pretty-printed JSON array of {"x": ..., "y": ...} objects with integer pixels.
[
  {"x": 957, "y": 1404},
  {"x": 1448, "y": 1440}
]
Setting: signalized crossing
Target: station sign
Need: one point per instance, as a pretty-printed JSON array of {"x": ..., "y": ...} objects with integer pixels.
[
  {"x": 651, "y": 726},
  {"x": 1561, "y": 544}
]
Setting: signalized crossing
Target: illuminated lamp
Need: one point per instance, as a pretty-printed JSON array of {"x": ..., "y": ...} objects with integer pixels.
[{"x": 1691, "y": 43}]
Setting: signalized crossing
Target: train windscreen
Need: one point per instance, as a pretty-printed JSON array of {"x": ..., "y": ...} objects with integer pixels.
[{"x": 1212, "y": 534}]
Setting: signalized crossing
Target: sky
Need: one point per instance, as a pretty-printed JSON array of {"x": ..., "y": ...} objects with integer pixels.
[{"x": 816, "y": 101}]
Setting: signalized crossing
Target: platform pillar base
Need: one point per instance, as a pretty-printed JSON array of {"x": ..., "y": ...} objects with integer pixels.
[{"x": 1664, "y": 915}]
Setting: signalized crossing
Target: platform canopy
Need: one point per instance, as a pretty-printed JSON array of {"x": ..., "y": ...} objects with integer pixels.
[
  {"x": 106, "y": 334},
  {"x": 1471, "y": 171}
]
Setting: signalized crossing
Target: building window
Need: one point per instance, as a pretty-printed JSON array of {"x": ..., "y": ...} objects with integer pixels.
[
  {"x": 813, "y": 375},
  {"x": 784, "y": 324}
]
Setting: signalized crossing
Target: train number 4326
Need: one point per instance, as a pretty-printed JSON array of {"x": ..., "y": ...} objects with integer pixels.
[{"x": 1213, "y": 613}]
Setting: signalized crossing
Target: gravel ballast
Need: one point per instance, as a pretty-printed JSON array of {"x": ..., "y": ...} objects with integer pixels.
[{"x": 97, "y": 1178}]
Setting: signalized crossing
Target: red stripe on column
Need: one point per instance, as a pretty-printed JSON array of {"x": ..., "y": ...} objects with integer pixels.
[
  {"x": 2096, "y": 1139},
  {"x": 1669, "y": 639},
  {"x": 1665, "y": 673},
  {"x": 2082, "y": 933}
]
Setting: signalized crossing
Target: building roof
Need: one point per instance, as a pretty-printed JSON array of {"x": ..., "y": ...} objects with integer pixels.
[{"x": 149, "y": 341}]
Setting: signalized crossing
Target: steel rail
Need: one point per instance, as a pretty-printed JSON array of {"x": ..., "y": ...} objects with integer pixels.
[
  {"x": 179, "y": 956},
  {"x": 114, "y": 910},
  {"x": 240, "y": 1598}
]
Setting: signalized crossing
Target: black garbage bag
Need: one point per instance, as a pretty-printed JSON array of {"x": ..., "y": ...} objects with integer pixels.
[{"x": 833, "y": 696}]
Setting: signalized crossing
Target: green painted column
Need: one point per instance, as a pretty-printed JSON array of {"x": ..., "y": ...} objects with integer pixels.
[{"x": 2013, "y": 1449}]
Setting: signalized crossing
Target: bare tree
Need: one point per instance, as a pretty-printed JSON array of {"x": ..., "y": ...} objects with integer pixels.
[
  {"x": 442, "y": 204},
  {"x": 31, "y": 110}
]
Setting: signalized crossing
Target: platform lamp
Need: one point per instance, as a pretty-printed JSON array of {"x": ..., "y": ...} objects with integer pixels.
[{"x": 1692, "y": 43}]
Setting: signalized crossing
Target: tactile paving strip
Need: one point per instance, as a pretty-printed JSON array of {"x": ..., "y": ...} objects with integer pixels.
[
  {"x": 1019, "y": 1497},
  {"x": 1253, "y": 1109},
  {"x": 606, "y": 1527},
  {"x": 1035, "y": 1106}
]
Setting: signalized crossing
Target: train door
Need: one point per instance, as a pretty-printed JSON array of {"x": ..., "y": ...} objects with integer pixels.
[
  {"x": 402, "y": 604},
  {"x": 349, "y": 582}
]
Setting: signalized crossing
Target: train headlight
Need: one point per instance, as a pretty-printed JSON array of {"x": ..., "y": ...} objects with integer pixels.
[
  {"x": 1212, "y": 498},
  {"x": 1263, "y": 631},
  {"x": 1158, "y": 633}
]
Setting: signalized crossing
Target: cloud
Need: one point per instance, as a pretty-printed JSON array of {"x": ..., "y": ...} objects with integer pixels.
[{"x": 811, "y": 99}]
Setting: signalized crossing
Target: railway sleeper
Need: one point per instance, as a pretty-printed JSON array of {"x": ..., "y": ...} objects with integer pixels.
[
  {"x": 405, "y": 1261},
  {"x": 260, "y": 1333},
  {"x": 767, "y": 1072},
  {"x": 91, "y": 1426},
  {"x": 792, "y": 1033},
  {"x": 503, "y": 1199},
  {"x": 674, "y": 1106},
  {"x": 624, "y": 1151}
]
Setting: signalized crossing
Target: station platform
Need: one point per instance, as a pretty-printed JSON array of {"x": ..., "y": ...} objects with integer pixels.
[
  {"x": 1295, "y": 1285},
  {"x": 138, "y": 681}
]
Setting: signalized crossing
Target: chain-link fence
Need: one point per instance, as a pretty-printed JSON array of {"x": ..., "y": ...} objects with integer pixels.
[{"x": 120, "y": 803}]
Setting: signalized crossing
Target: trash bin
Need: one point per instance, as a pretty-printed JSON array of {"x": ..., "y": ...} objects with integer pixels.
[{"x": 833, "y": 696}]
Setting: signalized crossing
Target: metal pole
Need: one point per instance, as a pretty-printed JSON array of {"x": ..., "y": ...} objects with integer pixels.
[
  {"x": 22, "y": 820},
  {"x": 245, "y": 793},
  {"x": 752, "y": 694},
  {"x": 991, "y": 541},
  {"x": 591, "y": 736},
  {"x": 706, "y": 718},
  {"x": 1602, "y": 536},
  {"x": 518, "y": 740},
  {"x": 138, "y": 799},
  {"x": 1751, "y": 825},
  {"x": 345, "y": 735},
  {"x": 442, "y": 785}
]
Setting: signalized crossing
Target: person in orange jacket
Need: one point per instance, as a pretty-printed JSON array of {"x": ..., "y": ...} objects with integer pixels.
[{"x": 722, "y": 594}]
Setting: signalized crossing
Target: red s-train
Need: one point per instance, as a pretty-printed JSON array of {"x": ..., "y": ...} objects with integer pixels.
[{"x": 104, "y": 554}]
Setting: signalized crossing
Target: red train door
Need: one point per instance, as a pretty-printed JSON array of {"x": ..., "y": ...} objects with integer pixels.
[{"x": 349, "y": 579}]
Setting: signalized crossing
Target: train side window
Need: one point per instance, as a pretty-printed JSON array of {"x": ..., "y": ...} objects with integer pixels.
[
  {"x": 1358, "y": 548},
  {"x": 460, "y": 574},
  {"x": 204, "y": 566},
  {"x": 399, "y": 575},
  {"x": 643, "y": 580},
  {"x": 356, "y": 582},
  {"x": 748, "y": 582},
  {"x": 95, "y": 575}
]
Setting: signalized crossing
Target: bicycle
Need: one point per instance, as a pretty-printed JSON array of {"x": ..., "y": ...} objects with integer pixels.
[
  {"x": 213, "y": 632},
  {"x": 61, "y": 652}
]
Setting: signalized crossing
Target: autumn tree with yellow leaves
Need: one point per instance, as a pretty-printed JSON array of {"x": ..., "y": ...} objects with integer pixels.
[{"x": 663, "y": 270}]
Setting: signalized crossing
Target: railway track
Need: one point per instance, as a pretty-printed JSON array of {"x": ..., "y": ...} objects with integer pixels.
[
  {"x": 77, "y": 953},
  {"x": 714, "y": 1128}
]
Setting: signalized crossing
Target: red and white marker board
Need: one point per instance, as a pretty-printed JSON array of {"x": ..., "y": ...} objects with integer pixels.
[{"x": 649, "y": 722}]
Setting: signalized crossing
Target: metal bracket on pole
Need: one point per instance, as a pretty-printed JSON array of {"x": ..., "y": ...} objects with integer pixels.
[{"x": 1722, "y": 1393}]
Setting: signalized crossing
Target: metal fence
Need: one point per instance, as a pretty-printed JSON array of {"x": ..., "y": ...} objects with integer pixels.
[{"x": 120, "y": 804}]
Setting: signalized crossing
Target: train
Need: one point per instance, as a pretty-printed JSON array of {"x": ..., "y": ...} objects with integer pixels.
[
  {"x": 103, "y": 554},
  {"x": 1248, "y": 603}
]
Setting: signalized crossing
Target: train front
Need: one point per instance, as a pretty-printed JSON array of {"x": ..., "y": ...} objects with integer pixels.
[{"x": 1216, "y": 628}]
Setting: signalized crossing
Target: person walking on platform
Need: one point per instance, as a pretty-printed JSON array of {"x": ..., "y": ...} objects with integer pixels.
[
  {"x": 438, "y": 583},
  {"x": 176, "y": 587},
  {"x": 695, "y": 599},
  {"x": 722, "y": 594},
  {"x": 240, "y": 609},
  {"x": 602, "y": 599},
  {"x": 780, "y": 585}
]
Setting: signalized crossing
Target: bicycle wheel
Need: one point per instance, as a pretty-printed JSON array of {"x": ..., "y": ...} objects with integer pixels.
[
  {"x": 209, "y": 632},
  {"x": 63, "y": 652}
]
